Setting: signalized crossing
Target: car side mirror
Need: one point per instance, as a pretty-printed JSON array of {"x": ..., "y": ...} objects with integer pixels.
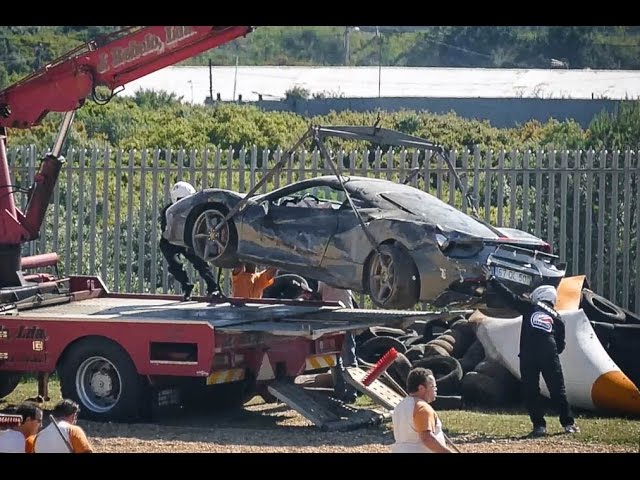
[{"x": 265, "y": 207}]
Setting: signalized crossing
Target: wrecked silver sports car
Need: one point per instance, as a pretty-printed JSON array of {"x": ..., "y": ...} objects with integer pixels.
[{"x": 413, "y": 247}]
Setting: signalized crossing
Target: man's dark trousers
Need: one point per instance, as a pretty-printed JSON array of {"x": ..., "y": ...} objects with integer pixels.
[{"x": 543, "y": 359}]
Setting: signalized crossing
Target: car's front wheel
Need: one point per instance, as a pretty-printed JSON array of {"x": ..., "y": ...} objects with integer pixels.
[
  {"x": 212, "y": 237},
  {"x": 392, "y": 278}
]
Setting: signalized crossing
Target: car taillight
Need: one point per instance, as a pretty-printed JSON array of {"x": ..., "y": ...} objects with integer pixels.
[{"x": 546, "y": 248}]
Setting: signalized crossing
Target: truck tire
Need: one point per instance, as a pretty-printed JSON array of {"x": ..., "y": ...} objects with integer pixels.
[
  {"x": 8, "y": 383},
  {"x": 99, "y": 375}
]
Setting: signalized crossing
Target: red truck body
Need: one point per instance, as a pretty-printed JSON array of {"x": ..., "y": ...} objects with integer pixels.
[{"x": 163, "y": 340}]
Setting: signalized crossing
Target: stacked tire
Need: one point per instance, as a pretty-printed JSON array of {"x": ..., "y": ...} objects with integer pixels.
[{"x": 618, "y": 331}]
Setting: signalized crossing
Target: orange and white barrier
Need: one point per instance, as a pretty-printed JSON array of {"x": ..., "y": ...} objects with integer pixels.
[{"x": 592, "y": 379}]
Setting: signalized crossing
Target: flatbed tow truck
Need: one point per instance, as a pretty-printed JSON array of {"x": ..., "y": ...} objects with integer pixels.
[{"x": 120, "y": 355}]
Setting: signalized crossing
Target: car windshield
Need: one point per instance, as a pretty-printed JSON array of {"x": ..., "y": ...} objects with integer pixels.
[{"x": 436, "y": 211}]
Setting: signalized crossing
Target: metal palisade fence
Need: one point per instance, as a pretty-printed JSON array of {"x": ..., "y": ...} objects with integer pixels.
[{"x": 104, "y": 217}]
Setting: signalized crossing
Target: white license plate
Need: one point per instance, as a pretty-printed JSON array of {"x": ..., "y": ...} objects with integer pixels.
[{"x": 512, "y": 275}]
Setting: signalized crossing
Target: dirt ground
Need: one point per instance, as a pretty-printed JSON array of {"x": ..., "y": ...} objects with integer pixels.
[{"x": 263, "y": 428}]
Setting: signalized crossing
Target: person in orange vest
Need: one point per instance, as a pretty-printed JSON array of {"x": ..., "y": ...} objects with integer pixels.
[
  {"x": 247, "y": 283},
  {"x": 67, "y": 438}
]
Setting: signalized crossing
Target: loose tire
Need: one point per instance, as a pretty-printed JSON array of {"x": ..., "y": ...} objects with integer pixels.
[
  {"x": 600, "y": 309},
  {"x": 100, "y": 376},
  {"x": 374, "y": 348},
  {"x": 392, "y": 278},
  {"x": 447, "y": 371}
]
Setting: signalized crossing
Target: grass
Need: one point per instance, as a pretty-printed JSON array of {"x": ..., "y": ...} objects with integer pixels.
[
  {"x": 476, "y": 424},
  {"x": 28, "y": 388},
  {"x": 509, "y": 424}
]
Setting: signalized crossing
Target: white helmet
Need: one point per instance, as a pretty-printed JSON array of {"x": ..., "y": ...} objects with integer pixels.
[
  {"x": 544, "y": 293},
  {"x": 181, "y": 190}
]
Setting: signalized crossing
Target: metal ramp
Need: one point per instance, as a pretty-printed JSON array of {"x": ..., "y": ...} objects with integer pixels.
[
  {"x": 379, "y": 392},
  {"x": 325, "y": 412}
]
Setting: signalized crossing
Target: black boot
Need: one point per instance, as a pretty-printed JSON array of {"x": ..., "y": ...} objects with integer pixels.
[{"x": 188, "y": 288}]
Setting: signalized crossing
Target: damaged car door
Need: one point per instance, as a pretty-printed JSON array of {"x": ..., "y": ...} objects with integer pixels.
[{"x": 296, "y": 227}]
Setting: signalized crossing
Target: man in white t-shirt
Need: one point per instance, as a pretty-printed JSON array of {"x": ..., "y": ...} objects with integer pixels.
[
  {"x": 14, "y": 440},
  {"x": 347, "y": 357},
  {"x": 416, "y": 426}
]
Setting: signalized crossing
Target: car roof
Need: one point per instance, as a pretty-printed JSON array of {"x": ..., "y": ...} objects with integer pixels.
[{"x": 421, "y": 203}]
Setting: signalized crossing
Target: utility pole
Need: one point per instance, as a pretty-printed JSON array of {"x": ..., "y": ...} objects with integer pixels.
[
  {"x": 379, "y": 60},
  {"x": 347, "y": 45},
  {"x": 210, "y": 81}
]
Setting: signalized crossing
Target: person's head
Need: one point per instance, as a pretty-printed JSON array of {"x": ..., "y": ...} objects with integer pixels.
[
  {"x": 422, "y": 383},
  {"x": 250, "y": 267},
  {"x": 545, "y": 293},
  {"x": 31, "y": 418},
  {"x": 181, "y": 190},
  {"x": 66, "y": 410}
]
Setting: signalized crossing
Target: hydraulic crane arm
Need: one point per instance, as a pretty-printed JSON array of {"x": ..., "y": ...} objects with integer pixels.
[{"x": 63, "y": 86}]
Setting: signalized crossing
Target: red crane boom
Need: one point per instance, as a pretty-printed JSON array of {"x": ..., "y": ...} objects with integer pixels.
[{"x": 63, "y": 86}]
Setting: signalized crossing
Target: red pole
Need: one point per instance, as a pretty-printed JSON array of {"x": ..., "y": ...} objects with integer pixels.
[{"x": 380, "y": 367}]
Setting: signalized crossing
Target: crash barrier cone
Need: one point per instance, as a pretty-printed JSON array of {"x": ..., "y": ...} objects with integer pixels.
[{"x": 380, "y": 367}]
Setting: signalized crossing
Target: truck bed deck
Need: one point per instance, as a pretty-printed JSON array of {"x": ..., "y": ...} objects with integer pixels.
[{"x": 276, "y": 318}]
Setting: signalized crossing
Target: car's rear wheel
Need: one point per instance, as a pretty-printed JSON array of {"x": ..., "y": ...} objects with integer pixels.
[
  {"x": 392, "y": 278},
  {"x": 215, "y": 246}
]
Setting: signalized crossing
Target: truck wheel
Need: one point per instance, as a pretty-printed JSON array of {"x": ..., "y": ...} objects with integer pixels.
[
  {"x": 100, "y": 376},
  {"x": 8, "y": 383}
]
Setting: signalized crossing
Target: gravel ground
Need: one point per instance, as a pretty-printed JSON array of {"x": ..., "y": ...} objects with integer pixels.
[{"x": 272, "y": 427}]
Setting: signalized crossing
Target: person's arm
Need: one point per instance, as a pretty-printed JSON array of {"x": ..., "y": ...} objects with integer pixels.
[
  {"x": 269, "y": 274},
  {"x": 163, "y": 219},
  {"x": 516, "y": 301},
  {"x": 559, "y": 334},
  {"x": 265, "y": 279},
  {"x": 78, "y": 440},
  {"x": 424, "y": 419}
]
